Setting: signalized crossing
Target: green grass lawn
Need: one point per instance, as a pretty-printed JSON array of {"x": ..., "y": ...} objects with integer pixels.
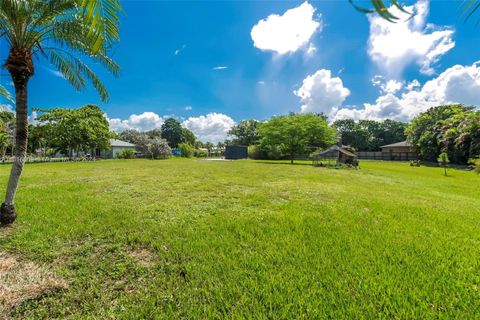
[{"x": 140, "y": 239}]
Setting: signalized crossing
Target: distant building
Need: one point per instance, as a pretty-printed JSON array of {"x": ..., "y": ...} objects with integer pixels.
[
  {"x": 401, "y": 147},
  {"x": 236, "y": 152},
  {"x": 115, "y": 147},
  {"x": 335, "y": 156}
]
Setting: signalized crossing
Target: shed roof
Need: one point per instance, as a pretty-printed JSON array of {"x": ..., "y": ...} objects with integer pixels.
[
  {"x": 398, "y": 144},
  {"x": 120, "y": 143},
  {"x": 336, "y": 148}
]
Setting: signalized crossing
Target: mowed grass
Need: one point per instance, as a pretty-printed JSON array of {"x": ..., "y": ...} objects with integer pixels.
[{"x": 140, "y": 239}]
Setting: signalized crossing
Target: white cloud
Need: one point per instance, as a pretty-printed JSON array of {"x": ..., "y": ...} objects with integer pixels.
[
  {"x": 57, "y": 73},
  {"x": 32, "y": 118},
  {"x": 220, "y": 68},
  {"x": 188, "y": 108},
  {"x": 288, "y": 32},
  {"x": 393, "y": 46},
  {"x": 212, "y": 127},
  {"x": 261, "y": 82},
  {"x": 142, "y": 122},
  {"x": 7, "y": 107},
  {"x": 177, "y": 52},
  {"x": 390, "y": 86},
  {"x": 458, "y": 84},
  {"x": 320, "y": 92},
  {"x": 413, "y": 85}
]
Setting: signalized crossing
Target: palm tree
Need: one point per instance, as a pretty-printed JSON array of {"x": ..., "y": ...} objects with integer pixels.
[
  {"x": 65, "y": 32},
  {"x": 443, "y": 161},
  {"x": 380, "y": 7}
]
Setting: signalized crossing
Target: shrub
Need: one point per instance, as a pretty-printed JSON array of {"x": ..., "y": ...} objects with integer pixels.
[
  {"x": 475, "y": 164},
  {"x": 186, "y": 149},
  {"x": 126, "y": 154},
  {"x": 159, "y": 148},
  {"x": 256, "y": 152},
  {"x": 200, "y": 153}
]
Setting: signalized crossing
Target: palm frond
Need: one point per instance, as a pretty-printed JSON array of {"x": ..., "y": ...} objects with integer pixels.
[
  {"x": 75, "y": 71},
  {"x": 380, "y": 7},
  {"x": 4, "y": 93},
  {"x": 102, "y": 16},
  {"x": 470, "y": 8}
]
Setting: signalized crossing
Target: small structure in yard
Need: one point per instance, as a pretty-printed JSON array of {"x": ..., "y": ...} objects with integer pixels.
[
  {"x": 334, "y": 156},
  {"x": 115, "y": 147},
  {"x": 400, "y": 147},
  {"x": 236, "y": 152}
]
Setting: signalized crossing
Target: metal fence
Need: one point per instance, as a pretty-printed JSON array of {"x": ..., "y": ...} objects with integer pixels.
[{"x": 390, "y": 156}]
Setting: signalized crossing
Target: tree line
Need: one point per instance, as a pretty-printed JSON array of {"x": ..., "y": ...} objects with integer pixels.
[{"x": 453, "y": 129}]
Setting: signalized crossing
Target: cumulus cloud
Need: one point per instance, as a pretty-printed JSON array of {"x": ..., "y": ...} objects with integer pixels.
[
  {"x": 7, "y": 107},
  {"x": 320, "y": 92},
  {"x": 212, "y": 127},
  {"x": 188, "y": 108},
  {"x": 288, "y": 32},
  {"x": 390, "y": 86},
  {"x": 141, "y": 122},
  {"x": 458, "y": 84},
  {"x": 393, "y": 46}
]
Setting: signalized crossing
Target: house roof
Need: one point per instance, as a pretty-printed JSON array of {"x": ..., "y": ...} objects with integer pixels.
[
  {"x": 336, "y": 148},
  {"x": 120, "y": 143},
  {"x": 398, "y": 144}
]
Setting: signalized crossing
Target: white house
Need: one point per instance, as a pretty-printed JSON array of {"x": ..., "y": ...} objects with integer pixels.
[{"x": 116, "y": 147}]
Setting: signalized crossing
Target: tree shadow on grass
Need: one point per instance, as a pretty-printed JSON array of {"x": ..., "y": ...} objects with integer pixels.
[{"x": 285, "y": 162}]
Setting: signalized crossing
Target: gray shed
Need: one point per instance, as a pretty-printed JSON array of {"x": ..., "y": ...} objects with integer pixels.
[{"x": 334, "y": 156}]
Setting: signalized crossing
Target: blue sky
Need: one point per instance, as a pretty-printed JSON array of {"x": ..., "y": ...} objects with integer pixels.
[{"x": 203, "y": 63}]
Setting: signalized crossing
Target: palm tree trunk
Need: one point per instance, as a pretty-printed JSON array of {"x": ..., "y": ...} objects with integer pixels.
[
  {"x": 7, "y": 210},
  {"x": 21, "y": 68}
]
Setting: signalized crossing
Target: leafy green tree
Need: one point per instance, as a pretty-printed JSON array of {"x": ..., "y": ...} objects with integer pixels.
[
  {"x": 66, "y": 32},
  {"x": 429, "y": 131},
  {"x": 188, "y": 137},
  {"x": 158, "y": 148},
  {"x": 443, "y": 161},
  {"x": 172, "y": 132},
  {"x": 369, "y": 135},
  {"x": 155, "y": 133},
  {"x": 74, "y": 130},
  {"x": 475, "y": 164},
  {"x": 132, "y": 136},
  {"x": 37, "y": 139},
  {"x": 245, "y": 133},
  {"x": 293, "y": 134},
  {"x": 4, "y": 144},
  {"x": 186, "y": 150}
]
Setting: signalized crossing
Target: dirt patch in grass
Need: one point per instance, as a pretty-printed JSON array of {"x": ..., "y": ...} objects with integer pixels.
[
  {"x": 143, "y": 257},
  {"x": 23, "y": 280}
]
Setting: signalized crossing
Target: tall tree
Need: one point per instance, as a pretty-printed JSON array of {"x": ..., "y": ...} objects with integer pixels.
[
  {"x": 188, "y": 137},
  {"x": 245, "y": 133},
  {"x": 429, "y": 132},
  {"x": 65, "y": 32},
  {"x": 369, "y": 135},
  {"x": 73, "y": 130},
  {"x": 172, "y": 132},
  {"x": 295, "y": 133}
]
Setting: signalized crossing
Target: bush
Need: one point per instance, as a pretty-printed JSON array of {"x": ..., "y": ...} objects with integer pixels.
[
  {"x": 186, "y": 150},
  {"x": 200, "y": 153},
  {"x": 256, "y": 152},
  {"x": 475, "y": 164},
  {"x": 274, "y": 152},
  {"x": 159, "y": 148},
  {"x": 126, "y": 154}
]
